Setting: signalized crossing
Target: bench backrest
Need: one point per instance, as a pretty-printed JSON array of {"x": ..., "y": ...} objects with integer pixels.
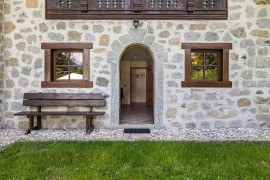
[{"x": 64, "y": 99}]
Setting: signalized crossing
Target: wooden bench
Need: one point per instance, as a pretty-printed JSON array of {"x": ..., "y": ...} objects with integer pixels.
[{"x": 62, "y": 99}]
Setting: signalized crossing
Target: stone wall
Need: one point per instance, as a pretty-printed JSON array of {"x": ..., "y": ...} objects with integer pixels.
[
  {"x": 246, "y": 104},
  {"x": 1, "y": 60}
]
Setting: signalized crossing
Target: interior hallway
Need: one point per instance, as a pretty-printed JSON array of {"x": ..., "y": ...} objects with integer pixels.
[{"x": 137, "y": 113}]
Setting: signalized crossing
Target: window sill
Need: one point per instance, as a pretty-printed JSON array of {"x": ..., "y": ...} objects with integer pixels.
[
  {"x": 207, "y": 84},
  {"x": 66, "y": 84}
]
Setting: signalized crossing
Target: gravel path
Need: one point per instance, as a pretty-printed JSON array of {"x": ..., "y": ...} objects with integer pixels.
[{"x": 8, "y": 136}]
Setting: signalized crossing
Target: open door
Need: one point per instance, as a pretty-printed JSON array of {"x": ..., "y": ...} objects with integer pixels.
[
  {"x": 149, "y": 85},
  {"x": 136, "y": 86}
]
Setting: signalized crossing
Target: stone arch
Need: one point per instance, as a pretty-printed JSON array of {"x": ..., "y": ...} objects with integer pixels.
[{"x": 142, "y": 38}]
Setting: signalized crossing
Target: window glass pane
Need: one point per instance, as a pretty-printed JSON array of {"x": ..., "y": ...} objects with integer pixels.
[
  {"x": 61, "y": 58},
  {"x": 61, "y": 73},
  {"x": 211, "y": 58},
  {"x": 76, "y": 73},
  {"x": 197, "y": 58},
  {"x": 197, "y": 73},
  {"x": 211, "y": 73},
  {"x": 73, "y": 58},
  {"x": 76, "y": 58}
]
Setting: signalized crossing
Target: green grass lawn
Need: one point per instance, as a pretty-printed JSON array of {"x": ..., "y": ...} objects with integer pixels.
[{"x": 136, "y": 160}]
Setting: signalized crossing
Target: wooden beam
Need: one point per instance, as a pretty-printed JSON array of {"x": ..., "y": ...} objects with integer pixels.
[
  {"x": 206, "y": 46},
  {"x": 66, "y": 45},
  {"x": 63, "y": 96},
  {"x": 85, "y": 103}
]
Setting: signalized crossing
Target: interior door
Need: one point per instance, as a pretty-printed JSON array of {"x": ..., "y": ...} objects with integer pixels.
[
  {"x": 149, "y": 87},
  {"x": 138, "y": 85}
]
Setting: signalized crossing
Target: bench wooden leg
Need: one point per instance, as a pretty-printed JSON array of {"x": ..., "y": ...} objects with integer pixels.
[
  {"x": 31, "y": 125},
  {"x": 38, "y": 119},
  {"x": 38, "y": 127},
  {"x": 89, "y": 124}
]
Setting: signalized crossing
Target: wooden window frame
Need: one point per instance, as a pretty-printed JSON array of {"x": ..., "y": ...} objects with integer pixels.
[
  {"x": 49, "y": 68},
  {"x": 223, "y": 65}
]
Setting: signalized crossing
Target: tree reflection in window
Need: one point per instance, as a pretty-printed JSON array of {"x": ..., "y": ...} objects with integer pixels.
[
  {"x": 204, "y": 65},
  {"x": 68, "y": 65}
]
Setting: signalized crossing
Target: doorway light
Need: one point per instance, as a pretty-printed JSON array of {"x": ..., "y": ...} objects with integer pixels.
[{"x": 136, "y": 23}]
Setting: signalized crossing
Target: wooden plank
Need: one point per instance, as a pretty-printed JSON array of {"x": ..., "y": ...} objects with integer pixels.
[
  {"x": 63, "y": 96},
  {"x": 86, "y": 67},
  {"x": 225, "y": 65},
  {"x": 66, "y": 84},
  {"x": 87, "y": 123},
  {"x": 206, "y": 46},
  {"x": 188, "y": 64},
  {"x": 70, "y": 113},
  {"x": 38, "y": 118},
  {"x": 67, "y": 46},
  {"x": 47, "y": 67},
  {"x": 207, "y": 84},
  {"x": 85, "y": 103}
]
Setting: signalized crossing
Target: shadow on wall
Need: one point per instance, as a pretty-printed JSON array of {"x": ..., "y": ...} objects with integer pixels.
[{"x": 262, "y": 1}]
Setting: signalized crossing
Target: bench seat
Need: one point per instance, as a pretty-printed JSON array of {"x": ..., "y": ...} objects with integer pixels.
[
  {"x": 40, "y": 100},
  {"x": 70, "y": 113}
]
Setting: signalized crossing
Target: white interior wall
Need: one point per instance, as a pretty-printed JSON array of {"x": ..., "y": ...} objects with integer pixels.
[
  {"x": 138, "y": 86},
  {"x": 125, "y": 76}
]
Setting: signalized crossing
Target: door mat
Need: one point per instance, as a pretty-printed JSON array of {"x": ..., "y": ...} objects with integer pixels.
[{"x": 131, "y": 130}]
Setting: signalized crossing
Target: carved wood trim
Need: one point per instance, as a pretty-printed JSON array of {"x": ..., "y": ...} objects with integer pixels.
[{"x": 137, "y": 9}]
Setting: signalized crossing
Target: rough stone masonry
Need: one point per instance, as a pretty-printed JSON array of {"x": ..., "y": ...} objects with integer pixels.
[{"x": 23, "y": 28}]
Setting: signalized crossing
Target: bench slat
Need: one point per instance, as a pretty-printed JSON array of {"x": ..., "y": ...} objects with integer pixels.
[
  {"x": 86, "y": 103},
  {"x": 78, "y": 96},
  {"x": 70, "y": 113}
]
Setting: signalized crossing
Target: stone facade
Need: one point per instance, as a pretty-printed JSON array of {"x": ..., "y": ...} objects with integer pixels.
[
  {"x": 1, "y": 60},
  {"x": 245, "y": 105}
]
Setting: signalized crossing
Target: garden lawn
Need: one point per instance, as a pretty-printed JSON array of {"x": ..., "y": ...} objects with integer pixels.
[{"x": 135, "y": 160}]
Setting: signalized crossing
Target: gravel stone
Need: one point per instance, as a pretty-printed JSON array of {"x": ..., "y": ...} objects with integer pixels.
[{"x": 8, "y": 136}]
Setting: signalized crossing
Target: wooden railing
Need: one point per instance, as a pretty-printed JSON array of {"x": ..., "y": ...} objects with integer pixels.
[{"x": 136, "y": 9}]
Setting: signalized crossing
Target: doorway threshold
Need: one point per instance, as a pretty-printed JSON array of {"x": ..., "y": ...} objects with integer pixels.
[{"x": 138, "y": 126}]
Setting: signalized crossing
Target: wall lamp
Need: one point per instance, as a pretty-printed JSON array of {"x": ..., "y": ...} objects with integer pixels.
[{"x": 136, "y": 23}]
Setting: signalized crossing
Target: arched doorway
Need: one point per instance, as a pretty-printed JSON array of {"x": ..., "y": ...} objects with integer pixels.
[{"x": 136, "y": 86}]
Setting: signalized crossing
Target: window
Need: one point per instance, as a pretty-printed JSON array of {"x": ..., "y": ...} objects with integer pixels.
[
  {"x": 136, "y": 9},
  {"x": 206, "y": 65},
  {"x": 67, "y": 65}
]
